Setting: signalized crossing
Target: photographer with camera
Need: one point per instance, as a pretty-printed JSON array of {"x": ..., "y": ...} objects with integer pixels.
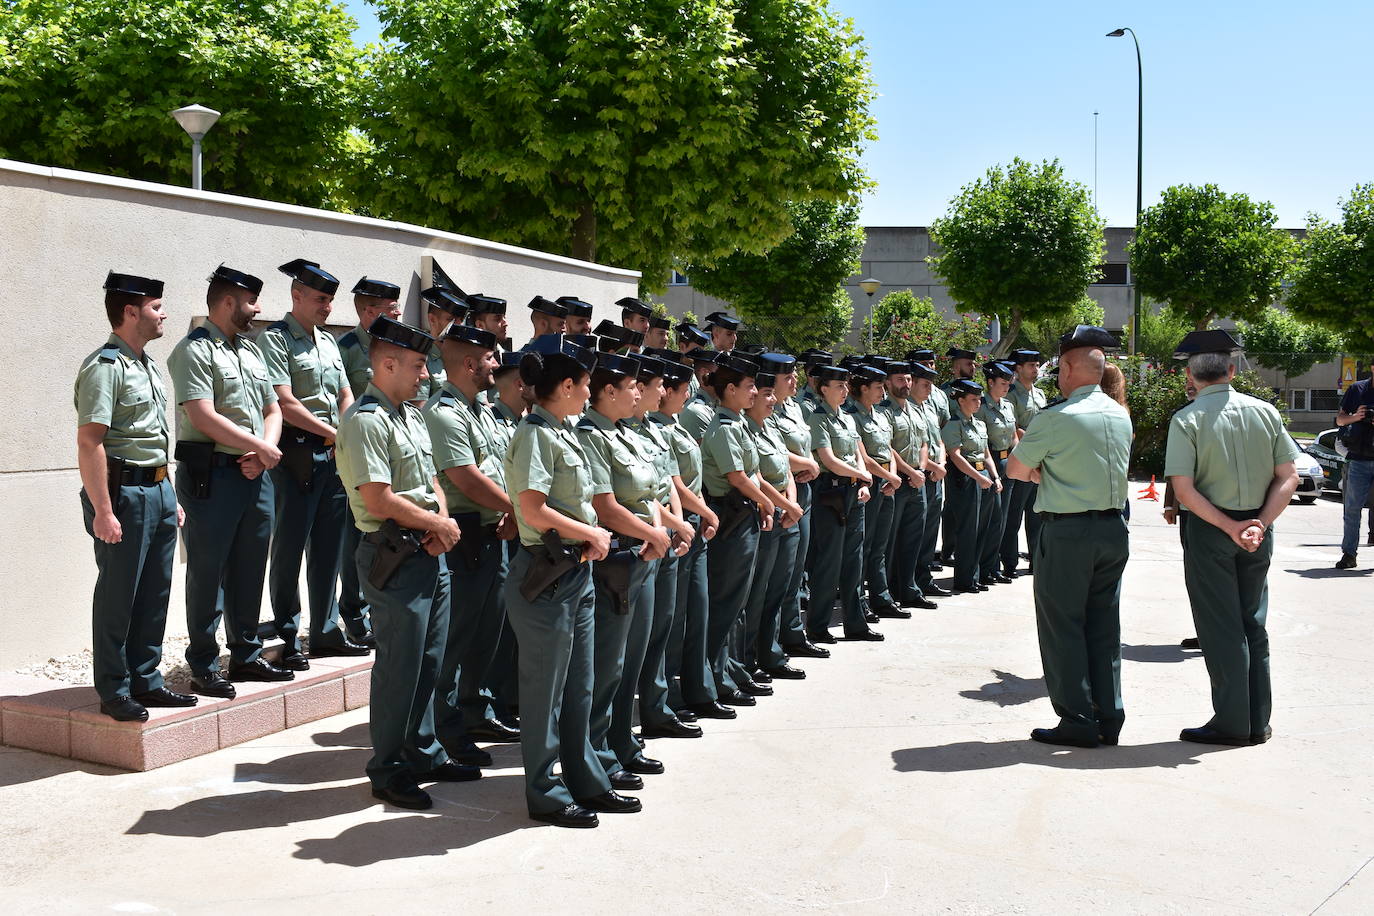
[{"x": 1356, "y": 421}]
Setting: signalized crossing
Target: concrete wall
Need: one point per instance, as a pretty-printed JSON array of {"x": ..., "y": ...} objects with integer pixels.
[{"x": 61, "y": 231}]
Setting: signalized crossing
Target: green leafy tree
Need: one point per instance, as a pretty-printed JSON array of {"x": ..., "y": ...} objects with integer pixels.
[
  {"x": 1044, "y": 335},
  {"x": 630, "y": 132},
  {"x": 88, "y": 84},
  {"x": 1210, "y": 254},
  {"x": 1277, "y": 340},
  {"x": 1161, "y": 329},
  {"x": 1333, "y": 284},
  {"x": 924, "y": 327},
  {"x": 1022, "y": 242},
  {"x": 792, "y": 293},
  {"x": 896, "y": 306}
]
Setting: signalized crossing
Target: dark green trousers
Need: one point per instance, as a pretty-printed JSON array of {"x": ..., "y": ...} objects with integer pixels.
[
  {"x": 653, "y": 676},
  {"x": 879, "y": 514},
  {"x": 688, "y": 666},
  {"x": 971, "y": 512},
  {"x": 307, "y": 524},
  {"x": 620, "y": 641},
  {"x": 1078, "y": 565},
  {"x": 791, "y": 629},
  {"x": 990, "y": 538},
  {"x": 463, "y": 697},
  {"x": 1228, "y": 588},
  {"x": 904, "y": 543}
]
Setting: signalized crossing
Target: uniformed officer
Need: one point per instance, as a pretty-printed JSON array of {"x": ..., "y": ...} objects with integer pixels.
[
  {"x": 961, "y": 367},
  {"x": 656, "y": 336},
  {"x": 441, "y": 308},
  {"x": 689, "y": 338},
  {"x": 1078, "y": 451},
  {"x": 128, "y": 503},
  {"x": 579, "y": 319},
  {"x": 550, "y": 484},
  {"x": 547, "y": 316},
  {"x": 1027, "y": 400},
  {"x": 837, "y": 525},
  {"x": 910, "y": 434},
  {"x": 229, "y": 424},
  {"x": 635, "y": 316},
  {"x": 1231, "y": 463},
  {"x": 701, "y": 407},
  {"x": 489, "y": 314},
  {"x": 866, "y": 389},
  {"x": 466, "y": 442},
  {"x": 385, "y": 461},
  {"x": 928, "y": 400},
  {"x": 724, "y": 331},
  {"x": 306, "y": 371},
  {"x": 624, "y": 488},
  {"x": 511, "y": 398},
  {"x": 998, "y": 414},
  {"x": 974, "y": 483}
]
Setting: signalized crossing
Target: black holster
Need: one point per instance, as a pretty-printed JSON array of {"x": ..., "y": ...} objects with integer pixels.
[
  {"x": 552, "y": 559},
  {"x": 613, "y": 575},
  {"x": 394, "y": 546},
  {"x": 114, "y": 479},
  {"x": 196, "y": 458},
  {"x": 298, "y": 449},
  {"x": 735, "y": 508},
  {"x": 472, "y": 536},
  {"x": 832, "y": 492}
]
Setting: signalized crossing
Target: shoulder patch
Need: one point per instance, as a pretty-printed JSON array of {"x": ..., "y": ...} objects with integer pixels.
[
  {"x": 109, "y": 353},
  {"x": 199, "y": 334},
  {"x": 349, "y": 340},
  {"x": 532, "y": 418},
  {"x": 586, "y": 423},
  {"x": 279, "y": 326},
  {"x": 445, "y": 397},
  {"x": 368, "y": 404}
]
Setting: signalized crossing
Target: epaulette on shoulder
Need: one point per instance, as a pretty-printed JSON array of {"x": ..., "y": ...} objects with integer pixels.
[
  {"x": 368, "y": 404},
  {"x": 586, "y": 423},
  {"x": 349, "y": 340},
  {"x": 724, "y": 418},
  {"x": 279, "y": 326},
  {"x": 533, "y": 418},
  {"x": 445, "y": 397},
  {"x": 199, "y": 334},
  {"x": 109, "y": 353}
]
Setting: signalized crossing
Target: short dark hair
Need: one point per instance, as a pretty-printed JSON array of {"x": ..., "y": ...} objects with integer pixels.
[
  {"x": 218, "y": 289},
  {"x": 115, "y": 301},
  {"x": 723, "y": 378}
]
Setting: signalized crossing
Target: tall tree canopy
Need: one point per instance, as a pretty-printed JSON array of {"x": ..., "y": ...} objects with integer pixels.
[
  {"x": 1022, "y": 243},
  {"x": 89, "y": 84},
  {"x": 1210, "y": 254},
  {"x": 633, "y": 132},
  {"x": 1285, "y": 343},
  {"x": 1333, "y": 284}
]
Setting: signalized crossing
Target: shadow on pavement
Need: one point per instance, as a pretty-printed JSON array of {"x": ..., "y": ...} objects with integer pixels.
[
  {"x": 353, "y": 736},
  {"x": 19, "y": 765},
  {"x": 1008, "y": 690},
  {"x": 411, "y": 836},
  {"x": 1330, "y": 572},
  {"x": 1169, "y": 653},
  {"x": 307, "y": 768},
  {"x": 963, "y": 756}
]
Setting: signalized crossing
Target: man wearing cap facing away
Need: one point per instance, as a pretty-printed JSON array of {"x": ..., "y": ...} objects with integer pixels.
[
  {"x": 1230, "y": 461},
  {"x": 229, "y": 424},
  {"x": 689, "y": 338},
  {"x": 306, "y": 371},
  {"x": 961, "y": 367},
  {"x": 1078, "y": 450},
  {"x": 387, "y": 469},
  {"x": 128, "y": 503},
  {"x": 439, "y": 312}
]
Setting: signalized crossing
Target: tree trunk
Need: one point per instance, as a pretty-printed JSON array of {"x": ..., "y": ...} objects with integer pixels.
[
  {"x": 1009, "y": 335},
  {"x": 584, "y": 233},
  {"x": 1206, "y": 320}
]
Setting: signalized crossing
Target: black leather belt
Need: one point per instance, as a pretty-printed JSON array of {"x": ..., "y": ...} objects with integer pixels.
[
  {"x": 142, "y": 477},
  {"x": 221, "y": 460},
  {"x": 378, "y": 537},
  {"x": 1091, "y": 513},
  {"x": 291, "y": 435}
]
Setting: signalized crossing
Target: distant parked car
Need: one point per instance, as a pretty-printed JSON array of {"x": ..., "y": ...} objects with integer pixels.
[
  {"x": 1311, "y": 476},
  {"x": 1332, "y": 462}
]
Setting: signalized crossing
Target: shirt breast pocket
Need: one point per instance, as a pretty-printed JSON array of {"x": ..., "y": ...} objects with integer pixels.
[{"x": 134, "y": 395}]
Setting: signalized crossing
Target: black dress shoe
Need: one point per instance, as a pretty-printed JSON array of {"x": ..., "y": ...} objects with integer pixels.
[
  {"x": 612, "y": 802},
  {"x": 494, "y": 730},
  {"x": 1263, "y": 736},
  {"x": 673, "y": 728},
  {"x": 871, "y": 616},
  {"x": 404, "y": 795},
  {"x": 639, "y": 741},
  {"x": 472, "y": 756},
  {"x": 865, "y": 636},
  {"x": 985, "y": 581},
  {"x": 713, "y": 710},
  {"x": 1108, "y": 740},
  {"x": 164, "y": 697},
  {"x": 213, "y": 684},
  {"x": 924, "y": 604},
  {"x": 786, "y": 672},
  {"x": 452, "y": 771},
  {"x": 1347, "y": 561},
  {"x": 1057, "y": 736},
  {"x": 760, "y": 676},
  {"x": 982, "y": 587},
  {"x": 1001, "y": 578},
  {"x": 364, "y": 639},
  {"x": 821, "y": 636},
  {"x": 1209, "y": 735},
  {"x": 347, "y": 648},
  {"x": 935, "y": 566},
  {"x": 685, "y": 715},
  {"x": 624, "y": 779},
  {"x": 967, "y": 589},
  {"x": 568, "y": 816},
  {"x": 260, "y": 670},
  {"x": 644, "y": 765},
  {"x": 936, "y": 591},
  {"x": 894, "y": 612},
  {"x": 294, "y": 661},
  {"x": 1190, "y": 643},
  {"x": 755, "y": 689},
  {"x": 807, "y": 649},
  {"x": 738, "y": 698},
  {"x": 124, "y": 709}
]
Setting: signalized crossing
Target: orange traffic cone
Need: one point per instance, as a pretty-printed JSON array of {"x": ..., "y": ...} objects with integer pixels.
[{"x": 1150, "y": 492}]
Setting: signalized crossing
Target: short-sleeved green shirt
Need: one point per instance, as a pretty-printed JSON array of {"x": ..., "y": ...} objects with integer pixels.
[
  {"x": 940, "y": 402},
  {"x": 309, "y": 362},
  {"x": 686, "y": 450},
  {"x": 653, "y": 443},
  {"x": 1229, "y": 443},
  {"x": 1027, "y": 402},
  {"x": 727, "y": 447},
  {"x": 699, "y": 412},
  {"x": 773, "y": 465},
  {"x": 969, "y": 435},
  {"x": 356, "y": 361},
  {"x": 835, "y": 430},
  {"x": 207, "y": 365},
  {"x": 808, "y": 400},
  {"x": 789, "y": 419},
  {"x": 929, "y": 413},
  {"x": 506, "y": 421},
  {"x": 546, "y": 456},
  {"x": 381, "y": 442},
  {"x": 463, "y": 433},
  {"x": 434, "y": 364},
  {"x": 909, "y": 430},
  {"x": 1082, "y": 446},
  {"x": 875, "y": 429},
  {"x": 120, "y": 391},
  {"x": 618, "y": 465},
  {"x": 1000, "y": 420}
]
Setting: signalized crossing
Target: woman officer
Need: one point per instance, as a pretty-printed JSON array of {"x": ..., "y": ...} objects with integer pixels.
[
  {"x": 998, "y": 414},
  {"x": 974, "y": 483},
  {"x": 549, "y": 482},
  {"x": 866, "y": 389}
]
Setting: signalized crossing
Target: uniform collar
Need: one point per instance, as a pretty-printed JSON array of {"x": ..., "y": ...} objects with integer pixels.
[
  {"x": 363, "y": 337},
  {"x": 123, "y": 345},
  {"x": 600, "y": 420},
  {"x": 543, "y": 413},
  {"x": 297, "y": 329},
  {"x": 1217, "y": 388},
  {"x": 732, "y": 414},
  {"x": 1082, "y": 391},
  {"x": 382, "y": 399},
  {"x": 218, "y": 336},
  {"x": 454, "y": 390},
  {"x": 663, "y": 418}
]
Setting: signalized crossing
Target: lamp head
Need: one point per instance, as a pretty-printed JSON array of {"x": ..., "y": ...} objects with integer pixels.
[
  {"x": 870, "y": 285},
  {"x": 196, "y": 120},
  {"x": 1116, "y": 33}
]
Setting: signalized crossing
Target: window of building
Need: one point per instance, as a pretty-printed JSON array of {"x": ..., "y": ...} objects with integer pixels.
[
  {"x": 1297, "y": 399},
  {"x": 678, "y": 279},
  {"x": 1111, "y": 275},
  {"x": 1324, "y": 400}
]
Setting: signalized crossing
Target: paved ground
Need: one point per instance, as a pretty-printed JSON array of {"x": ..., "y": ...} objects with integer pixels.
[{"x": 896, "y": 778}]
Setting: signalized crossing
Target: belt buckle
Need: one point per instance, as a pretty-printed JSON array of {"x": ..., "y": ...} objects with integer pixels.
[
  {"x": 160, "y": 474},
  {"x": 978, "y": 466}
]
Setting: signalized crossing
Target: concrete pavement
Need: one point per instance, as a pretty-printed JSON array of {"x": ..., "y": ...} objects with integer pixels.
[{"x": 896, "y": 778}]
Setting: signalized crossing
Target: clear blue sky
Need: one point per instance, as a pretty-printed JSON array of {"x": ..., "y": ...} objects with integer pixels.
[{"x": 1269, "y": 98}]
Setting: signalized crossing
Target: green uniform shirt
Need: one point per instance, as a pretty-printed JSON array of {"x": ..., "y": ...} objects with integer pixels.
[
  {"x": 875, "y": 429},
  {"x": 940, "y": 403},
  {"x": 699, "y": 412},
  {"x": 309, "y": 362},
  {"x": 463, "y": 433},
  {"x": 909, "y": 431},
  {"x": 431, "y": 386},
  {"x": 617, "y": 465},
  {"x": 207, "y": 365},
  {"x": 1026, "y": 402},
  {"x": 653, "y": 443},
  {"x": 1082, "y": 446},
  {"x": 686, "y": 450},
  {"x": 1000, "y": 420},
  {"x": 773, "y": 465},
  {"x": 929, "y": 413},
  {"x": 1229, "y": 443},
  {"x": 789, "y": 420},
  {"x": 117, "y": 389},
  {"x": 835, "y": 430},
  {"x": 727, "y": 447},
  {"x": 357, "y": 363},
  {"x": 969, "y": 435},
  {"x": 809, "y": 401},
  {"x": 506, "y": 421},
  {"x": 381, "y": 442},
  {"x": 545, "y": 456}
]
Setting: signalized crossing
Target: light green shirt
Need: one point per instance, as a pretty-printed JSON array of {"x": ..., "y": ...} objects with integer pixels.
[
  {"x": 909, "y": 430},
  {"x": 772, "y": 454},
  {"x": 686, "y": 450},
  {"x": 617, "y": 464},
  {"x": 357, "y": 363},
  {"x": 969, "y": 435},
  {"x": 653, "y": 443},
  {"x": 1229, "y": 443},
  {"x": 206, "y": 365},
  {"x": 434, "y": 364},
  {"x": 789, "y": 419},
  {"x": 835, "y": 430},
  {"x": 463, "y": 433},
  {"x": 1082, "y": 446},
  {"x": 1026, "y": 402},
  {"x": 727, "y": 447},
  {"x": 875, "y": 429},
  {"x": 381, "y": 442},
  {"x": 506, "y": 421},
  {"x": 929, "y": 414},
  {"x": 118, "y": 390},
  {"x": 940, "y": 403},
  {"x": 699, "y": 412},
  {"x": 1000, "y": 420},
  {"x": 309, "y": 362},
  {"x": 546, "y": 457}
]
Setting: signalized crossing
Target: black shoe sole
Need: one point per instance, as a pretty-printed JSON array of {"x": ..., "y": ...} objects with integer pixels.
[
  {"x": 414, "y": 804},
  {"x": 557, "y": 820}
]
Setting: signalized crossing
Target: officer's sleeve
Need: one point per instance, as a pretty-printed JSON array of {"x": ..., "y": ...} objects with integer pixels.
[
  {"x": 97, "y": 387},
  {"x": 272, "y": 344},
  {"x": 1180, "y": 455},
  {"x": 1285, "y": 449},
  {"x": 369, "y": 450},
  {"x": 692, "y": 421},
  {"x": 820, "y": 431},
  {"x": 450, "y": 437},
  {"x": 598, "y": 452},
  {"x": 724, "y": 447},
  {"x": 193, "y": 379},
  {"x": 1034, "y": 446},
  {"x": 950, "y": 435},
  {"x": 530, "y": 463}
]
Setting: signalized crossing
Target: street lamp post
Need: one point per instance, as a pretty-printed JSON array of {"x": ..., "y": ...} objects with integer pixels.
[
  {"x": 1139, "y": 171},
  {"x": 870, "y": 286},
  {"x": 196, "y": 120}
]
